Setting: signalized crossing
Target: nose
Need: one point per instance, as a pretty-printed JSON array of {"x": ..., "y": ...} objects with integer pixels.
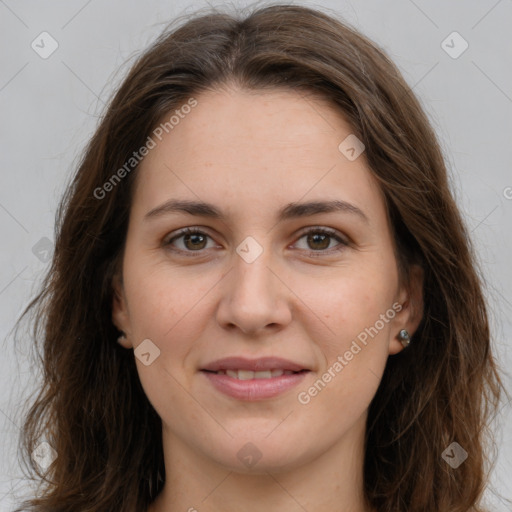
[{"x": 255, "y": 298}]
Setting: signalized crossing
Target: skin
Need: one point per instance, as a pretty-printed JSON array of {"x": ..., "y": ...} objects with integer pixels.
[{"x": 250, "y": 153}]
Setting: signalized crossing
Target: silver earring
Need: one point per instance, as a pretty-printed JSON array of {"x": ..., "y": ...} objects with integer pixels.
[
  {"x": 404, "y": 338},
  {"x": 121, "y": 338}
]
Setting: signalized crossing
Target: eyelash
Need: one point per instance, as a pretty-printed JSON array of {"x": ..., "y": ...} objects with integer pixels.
[{"x": 315, "y": 230}]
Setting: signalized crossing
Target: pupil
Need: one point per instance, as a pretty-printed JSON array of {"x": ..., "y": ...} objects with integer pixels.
[
  {"x": 189, "y": 238},
  {"x": 314, "y": 238},
  {"x": 323, "y": 239}
]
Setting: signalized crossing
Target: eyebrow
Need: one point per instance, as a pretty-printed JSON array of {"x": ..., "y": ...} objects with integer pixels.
[{"x": 289, "y": 211}]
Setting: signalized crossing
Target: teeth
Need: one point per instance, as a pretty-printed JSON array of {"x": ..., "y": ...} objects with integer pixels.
[
  {"x": 263, "y": 374},
  {"x": 248, "y": 374}
]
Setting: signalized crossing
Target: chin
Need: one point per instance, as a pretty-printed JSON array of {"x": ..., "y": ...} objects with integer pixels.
[{"x": 261, "y": 455}]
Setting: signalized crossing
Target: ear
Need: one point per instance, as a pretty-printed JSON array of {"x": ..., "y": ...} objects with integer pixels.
[
  {"x": 120, "y": 314},
  {"x": 411, "y": 300}
]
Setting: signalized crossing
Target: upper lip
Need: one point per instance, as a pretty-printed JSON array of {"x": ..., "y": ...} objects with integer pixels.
[{"x": 261, "y": 364}]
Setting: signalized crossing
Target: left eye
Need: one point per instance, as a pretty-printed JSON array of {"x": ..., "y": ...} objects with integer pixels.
[
  {"x": 195, "y": 240},
  {"x": 321, "y": 238}
]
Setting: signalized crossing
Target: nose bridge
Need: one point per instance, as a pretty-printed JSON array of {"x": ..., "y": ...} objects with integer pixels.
[
  {"x": 252, "y": 277},
  {"x": 253, "y": 296}
]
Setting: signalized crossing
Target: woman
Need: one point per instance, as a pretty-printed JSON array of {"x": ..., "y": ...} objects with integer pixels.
[{"x": 263, "y": 295}]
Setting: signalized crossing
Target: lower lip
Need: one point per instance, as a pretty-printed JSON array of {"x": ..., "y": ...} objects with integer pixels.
[{"x": 254, "y": 389}]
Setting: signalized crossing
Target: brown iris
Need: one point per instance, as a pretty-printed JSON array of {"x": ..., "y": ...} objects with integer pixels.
[
  {"x": 195, "y": 238},
  {"x": 313, "y": 238}
]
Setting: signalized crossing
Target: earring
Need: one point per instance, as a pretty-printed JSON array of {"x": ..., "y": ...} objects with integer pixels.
[
  {"x": 404, "y": 338},
  {"x": 121, "y": 338}
]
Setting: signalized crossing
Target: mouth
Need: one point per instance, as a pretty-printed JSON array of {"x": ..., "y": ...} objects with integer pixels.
[
  {"x": 258, "y": 366},
  {"x": 252, "y": 380},
  {"x": 249, "y": 374}
]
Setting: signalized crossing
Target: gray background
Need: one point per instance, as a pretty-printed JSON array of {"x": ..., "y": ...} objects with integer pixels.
[{"x": 50, "y": 107}]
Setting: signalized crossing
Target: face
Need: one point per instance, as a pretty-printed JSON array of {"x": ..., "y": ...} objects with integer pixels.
[{"x": 262, "y": 279}]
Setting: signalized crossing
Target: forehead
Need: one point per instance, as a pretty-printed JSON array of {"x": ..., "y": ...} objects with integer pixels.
[{"x": 254, "y": 151}]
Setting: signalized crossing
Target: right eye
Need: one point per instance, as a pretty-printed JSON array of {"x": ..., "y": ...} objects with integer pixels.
[{"x": 193, "y": 240}]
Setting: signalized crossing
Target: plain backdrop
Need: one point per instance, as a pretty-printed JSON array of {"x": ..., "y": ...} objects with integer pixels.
[{"x": 50, "y": 105}]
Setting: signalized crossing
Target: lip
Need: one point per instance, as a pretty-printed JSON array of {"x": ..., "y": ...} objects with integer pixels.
[
  {"x": 260, "y": 364},
  {"x": 254, "y": 389}
]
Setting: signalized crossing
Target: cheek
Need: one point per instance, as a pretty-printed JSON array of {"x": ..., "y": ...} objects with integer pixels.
[
  {"x": 356, "y": 307},
  {"x": 157, "y": 296},
  {"x": 348, "y": 301},
  {"x": 354, "y": 354},
  {"x": 169, "y": 306}
]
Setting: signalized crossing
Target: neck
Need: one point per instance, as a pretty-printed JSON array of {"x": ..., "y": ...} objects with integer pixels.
[{"x": 331, "y": 480}]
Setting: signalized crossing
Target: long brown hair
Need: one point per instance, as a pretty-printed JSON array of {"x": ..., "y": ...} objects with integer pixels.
[{"x": 444, "y": 388}]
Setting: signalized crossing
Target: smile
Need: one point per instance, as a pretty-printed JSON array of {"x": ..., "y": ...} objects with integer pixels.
[
  {"x": 249, "y": 374},
  {"x": 250, "y": 385}
]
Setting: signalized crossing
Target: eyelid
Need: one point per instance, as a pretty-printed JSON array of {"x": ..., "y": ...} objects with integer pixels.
[
  {"x": 343, "y": 240},
  {"x": 323, "y": 229},
  {"x": 200, "y": 230}
]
